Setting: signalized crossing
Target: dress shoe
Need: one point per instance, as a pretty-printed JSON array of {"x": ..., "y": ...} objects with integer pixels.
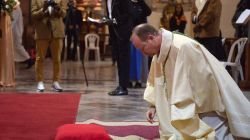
[
  {"x": 130, "y": 85},
  {"x": 119, "y": 91},
  {"x": 138, "y": 85},
  {"x": 40, "y": 87},
  {"x": 113, "y": 92},
  {"x": 30, "y": 62},
  {"x": 56, "y": 87}
]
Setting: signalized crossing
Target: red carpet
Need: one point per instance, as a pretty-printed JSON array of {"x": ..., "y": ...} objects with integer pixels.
[
  {"x": 35, "y": 116},
  {"x": 147, "y": 132},
  {"x": 122, "y": 129}
]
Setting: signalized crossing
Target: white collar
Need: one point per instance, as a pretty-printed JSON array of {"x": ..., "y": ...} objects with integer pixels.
[{"x": 167, "y": 39}]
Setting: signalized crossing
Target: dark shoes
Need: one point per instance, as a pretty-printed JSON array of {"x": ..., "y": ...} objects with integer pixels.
[
  {"x": 130, "y": 85},
  {"x": 136, "y": 85},
  {"x": 119, "y": 91},
  {"x": 30, "y": 63}
]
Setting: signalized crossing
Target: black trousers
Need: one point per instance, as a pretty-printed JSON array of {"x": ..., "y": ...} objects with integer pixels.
[
  {"x": 121, "y": 50},
  {"x": 214, "y": 46},
  {"x": 72, "y": 35}
]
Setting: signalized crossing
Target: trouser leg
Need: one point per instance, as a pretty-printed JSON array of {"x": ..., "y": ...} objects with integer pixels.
[
  {"x": 69, "y": 50},
  {"x": 56, "y": 48},
  {"x": 41, "y": 49},
  {"x": 123, "y": 62},
  {"x": 75, "y": 41}
]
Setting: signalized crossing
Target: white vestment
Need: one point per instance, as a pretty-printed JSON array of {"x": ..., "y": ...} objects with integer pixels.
[
  {"x": 17, "y": 29},
  {"x": 185, "y": 80}
]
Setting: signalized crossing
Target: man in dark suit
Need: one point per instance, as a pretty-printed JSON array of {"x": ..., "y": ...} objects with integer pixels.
[
  {"x": 120, "y": 28},
  {"x": 73, "y": 22}
]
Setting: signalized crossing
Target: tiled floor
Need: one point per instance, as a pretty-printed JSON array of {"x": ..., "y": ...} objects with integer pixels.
[{"x": 94, "y": 102}]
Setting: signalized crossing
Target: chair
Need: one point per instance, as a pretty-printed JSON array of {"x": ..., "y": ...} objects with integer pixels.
[
  {"x": 92, "y": 43},
  {"x": 235, "y": 64}
]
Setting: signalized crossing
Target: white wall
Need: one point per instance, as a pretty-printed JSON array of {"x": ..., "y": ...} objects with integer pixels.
[
  {"x": 228, "y": 9},
  {"x": 154, "y": 19}
]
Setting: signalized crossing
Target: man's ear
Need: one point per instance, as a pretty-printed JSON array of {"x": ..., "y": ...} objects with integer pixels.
[{"x": 150, "y": 37}]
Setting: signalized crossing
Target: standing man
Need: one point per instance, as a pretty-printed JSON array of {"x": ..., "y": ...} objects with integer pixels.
[
  {"x": 49, "y": 32},
  {"x": 189, "y": 89},
  {"x": 138, "y": 61},
  {"x": 73, "y": 22},
  {"x": 206, "y": 16},
  {"x": 120, "y": 28}
]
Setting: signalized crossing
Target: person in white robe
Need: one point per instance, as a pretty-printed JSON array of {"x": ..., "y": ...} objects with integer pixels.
[
  {"x": 191, "y": 92},
  {"x": 21, "y": 55}
]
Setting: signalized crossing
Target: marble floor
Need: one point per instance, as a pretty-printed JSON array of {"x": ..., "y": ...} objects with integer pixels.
[{"x": 94, "y": 102}]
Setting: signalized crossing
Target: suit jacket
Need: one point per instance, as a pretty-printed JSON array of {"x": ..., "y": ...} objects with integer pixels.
[
  {"x": 121, "y": 11},
  {"x": 73, "y": 18},
  {"x": 47, "y": 27},
  {"x": 208, "y": 16},
  {"x": 140, "y": 12}
]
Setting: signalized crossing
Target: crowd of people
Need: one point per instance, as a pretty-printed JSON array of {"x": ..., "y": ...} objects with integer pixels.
[{"x": 190, "y": 91}]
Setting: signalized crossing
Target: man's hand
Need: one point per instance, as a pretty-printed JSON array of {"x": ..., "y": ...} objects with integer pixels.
[
  {"x": 194, "y": 19},
  {"x": 45, "y": 6},
  {"x": 197, "y": 28},
  {"x": 106, "y": 20},
  {"x": 151, "y": 114},
  {"x": 57, "y": 8}
]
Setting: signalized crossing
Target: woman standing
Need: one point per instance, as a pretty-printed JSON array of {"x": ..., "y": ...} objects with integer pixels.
[
  {"x": 7, "y": 65},
  {"x": 178, "y": 20},
  {"x": 167, "y": 12}
]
